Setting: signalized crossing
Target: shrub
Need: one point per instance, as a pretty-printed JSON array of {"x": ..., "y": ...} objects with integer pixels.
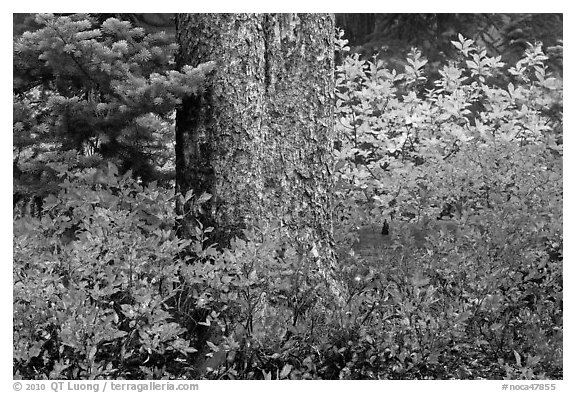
[
  {"x": 485, "y": 157},
  {"x": 91, "y": 280}
]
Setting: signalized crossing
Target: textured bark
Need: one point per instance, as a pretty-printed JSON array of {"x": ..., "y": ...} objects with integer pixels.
[{"x": 259, "y": 139}]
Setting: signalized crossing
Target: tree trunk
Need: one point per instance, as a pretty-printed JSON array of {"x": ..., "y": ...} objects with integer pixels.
[{"x": 259, "y": 139}]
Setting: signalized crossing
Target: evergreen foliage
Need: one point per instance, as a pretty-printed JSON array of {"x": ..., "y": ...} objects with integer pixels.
[{"x": 87, "y": 92}]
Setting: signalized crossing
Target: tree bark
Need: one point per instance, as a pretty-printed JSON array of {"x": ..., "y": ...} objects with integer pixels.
[{"x": 259, "y": 139}]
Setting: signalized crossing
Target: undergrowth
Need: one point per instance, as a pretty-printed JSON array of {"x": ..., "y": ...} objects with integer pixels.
[{"x": 104, "y": 288}]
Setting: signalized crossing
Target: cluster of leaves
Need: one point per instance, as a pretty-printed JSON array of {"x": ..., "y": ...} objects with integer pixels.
[
  {"x": 105, "y": 90},
  {"x": 402, "y": 146},
  {"x": 92, "y": 279},
  {"x": 264, "y": 302},
  {"x": 104, "y": 288},
  {"x": 469, "y": 174}
]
